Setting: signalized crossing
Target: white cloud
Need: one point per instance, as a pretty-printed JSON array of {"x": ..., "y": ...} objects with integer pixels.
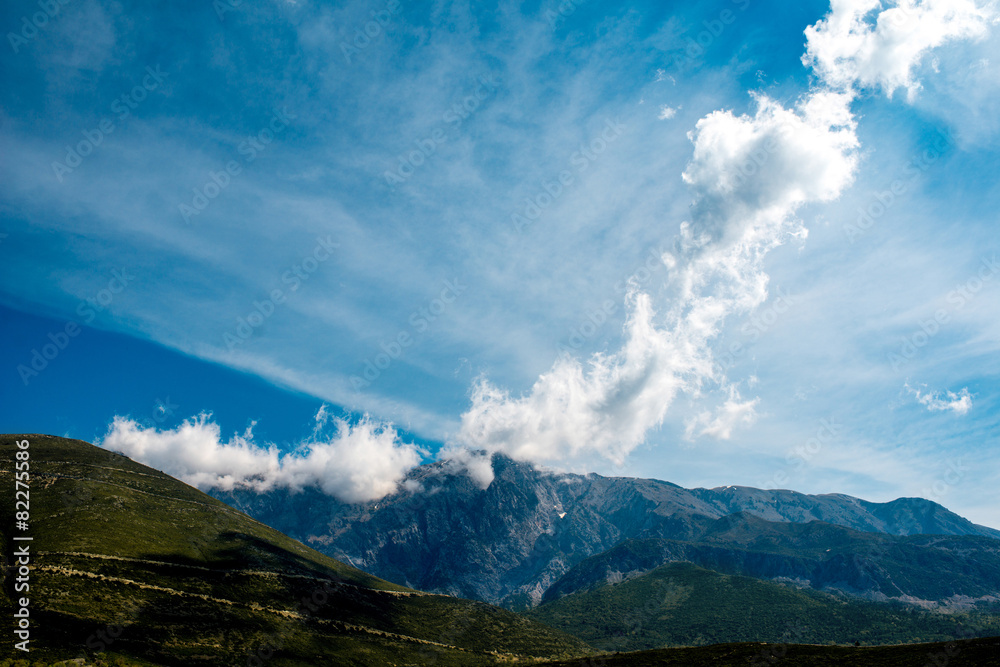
[
  {"x": 661, "y": 75},
  {"x": 754, "y": 171},
  {"x": 604, "y": 407},
  {"x": 852, "y": 47},
  {"x": 720, "y": 424},
  {"x": 361, "y": 462},
  {"x": 477, "y": 465},
  {"x": 667, "y": 112},
  {"x": 959, "y": 403}
]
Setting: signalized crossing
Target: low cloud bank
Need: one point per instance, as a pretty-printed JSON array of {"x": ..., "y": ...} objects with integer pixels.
[{"x": 360, "y": 462}]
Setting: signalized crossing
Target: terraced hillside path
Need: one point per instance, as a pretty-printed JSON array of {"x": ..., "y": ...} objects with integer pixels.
[{"x": 261, "y": 573}]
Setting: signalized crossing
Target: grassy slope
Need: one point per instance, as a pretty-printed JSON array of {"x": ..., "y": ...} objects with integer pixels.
[
  {"x": 133, "y": 562},
  {"x": 684, "y": 605}
]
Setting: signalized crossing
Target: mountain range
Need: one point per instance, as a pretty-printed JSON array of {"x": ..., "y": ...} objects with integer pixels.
[{"x": 533, "y": 536}]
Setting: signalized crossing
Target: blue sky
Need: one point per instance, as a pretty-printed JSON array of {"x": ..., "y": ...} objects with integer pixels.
[{"x": 730, "y": 243}]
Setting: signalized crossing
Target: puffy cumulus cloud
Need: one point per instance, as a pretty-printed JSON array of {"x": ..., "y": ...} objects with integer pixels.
[
  {"x": 360, "y": 462},
  {"x": 364, "y": 461},
  {"x": 959, "y": 403},
  {"x": 604, "y": 406},
  {"x": 754, "y": 171},
  {"x": 861, "y": 44}
]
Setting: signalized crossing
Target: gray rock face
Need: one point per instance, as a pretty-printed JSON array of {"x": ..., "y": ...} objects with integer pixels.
[{"x": 507, "y": 544}]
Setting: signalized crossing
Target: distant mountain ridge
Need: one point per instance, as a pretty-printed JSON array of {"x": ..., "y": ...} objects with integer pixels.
[
  {"x": 509, "y": 543},
  {"x": 954, "y": 571},
  {"x": 680, "y": 604}
]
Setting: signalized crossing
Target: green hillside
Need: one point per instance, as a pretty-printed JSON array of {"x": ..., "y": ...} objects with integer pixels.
[
  {"x": 131, "y": 565},
  {"x": 684, "y": 605}
]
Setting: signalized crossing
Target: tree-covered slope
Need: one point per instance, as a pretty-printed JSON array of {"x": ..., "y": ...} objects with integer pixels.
[
  {"x": 950, "y": 570},
  {"x": 681, "y": 604}
]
